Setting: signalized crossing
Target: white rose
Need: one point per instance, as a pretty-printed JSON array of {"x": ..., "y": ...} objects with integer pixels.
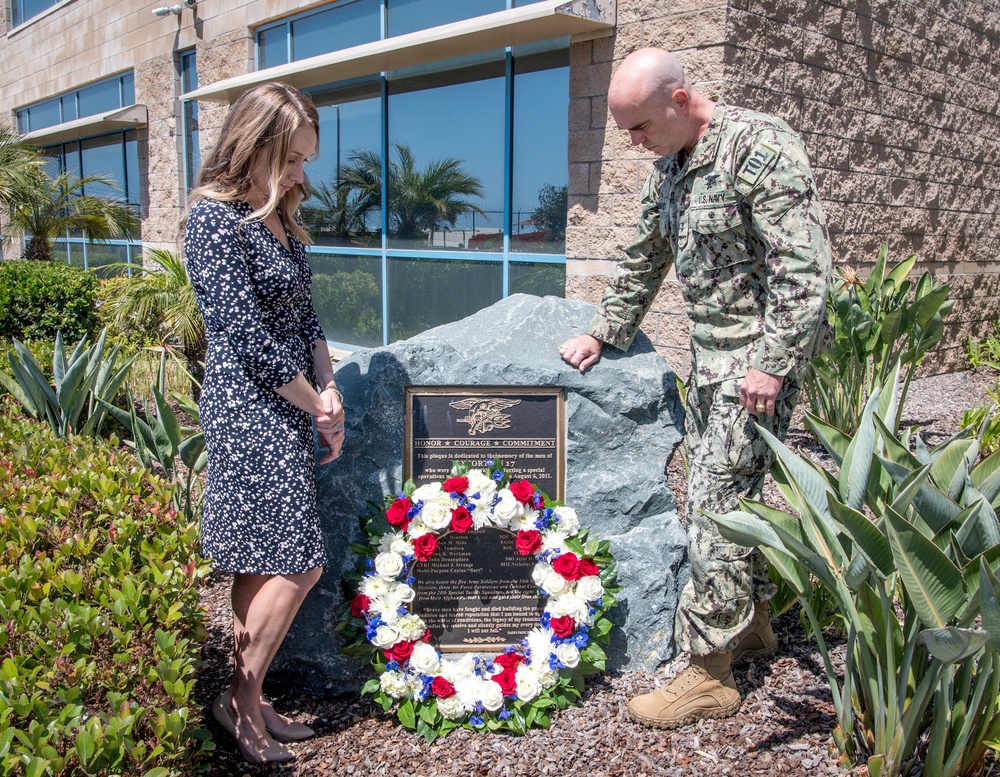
[
  {"x": 436, "y": 515},
  {"x": 568, "y": 520},
  {"x": 508, "y": 509},
  {"x": 527, "y": 684},
  {"x": 590, "y": 588},
  {"x": 411, "y": 627},
  {"x": 427, "y": 493},
  {"x": 394, "y": 684},
  {"x": 388, "y": 565},
  {"x": 385, "y": 636},
  {"x": 555, "y": 584},
  {"x": 425, "y": 659},
  {"x": 540, "y": 572},
  {"x": 417, "y": 528},
  {"x": 482, "y": 484},
  {"x": 547, "y": 676},
  {"x": 568, "y": 654},
  {"x": 491, "y": 696},
  {"x": 451, "y": 708}
]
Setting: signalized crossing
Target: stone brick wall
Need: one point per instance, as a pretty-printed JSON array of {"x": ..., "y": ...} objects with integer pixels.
[{"x": 898, "y": 102}]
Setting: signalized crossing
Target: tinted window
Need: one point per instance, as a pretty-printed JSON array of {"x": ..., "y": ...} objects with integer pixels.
[
  {"x": 410, "y": 15},
  {"x": 272, "y": 46},
  {"x": 344, "y": 25},
  {"x": 100, "y": 97}
]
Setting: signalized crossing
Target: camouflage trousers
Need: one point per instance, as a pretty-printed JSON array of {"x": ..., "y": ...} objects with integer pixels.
[{"x": 728, "y": 459}]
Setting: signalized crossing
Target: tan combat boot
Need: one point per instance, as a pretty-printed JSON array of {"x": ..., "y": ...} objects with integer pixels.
[
  {"x": 705, "y": 689},
  {"x": 757, "y": 639}
]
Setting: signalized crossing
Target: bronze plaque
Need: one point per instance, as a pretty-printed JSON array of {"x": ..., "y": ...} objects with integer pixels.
[
  {"x": 522, "y": 427},
  {"x": 476, "y": 593}
]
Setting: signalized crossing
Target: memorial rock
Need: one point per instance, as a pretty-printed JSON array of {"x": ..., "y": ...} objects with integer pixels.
[{"x": 624, "y": 419}]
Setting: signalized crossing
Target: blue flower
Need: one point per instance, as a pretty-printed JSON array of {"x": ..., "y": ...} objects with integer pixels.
[
  {"x": 581, "y": 639},
  {"x": 555, "y": 663},
  {"x": 411, "y": 580},
  {"x": 489, "y": 666},
  {"x": 540, "y": 523},
  {"x": 479, "y": 708},
  {"x": 415, "y": 510},
  {"x": 546, "y": 620},
  {"x": 369, "y": 563},
  {"x": 489, "y": 462},
  {"x": 475, "y": 720},
  {"x": 392, "y": 666},
  {"x": 498, "y": 476},
  {"x": 408, "y": 558},
  {"x": 503, "y": 714}
]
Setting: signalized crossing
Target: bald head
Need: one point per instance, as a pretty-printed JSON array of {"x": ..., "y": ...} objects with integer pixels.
[{"x": 644, "y": 74}]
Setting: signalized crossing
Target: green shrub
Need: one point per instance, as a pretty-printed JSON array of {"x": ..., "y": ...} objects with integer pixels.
[
  {"x": 38, "y": 299},
  {"x": 98, "y": 595}
]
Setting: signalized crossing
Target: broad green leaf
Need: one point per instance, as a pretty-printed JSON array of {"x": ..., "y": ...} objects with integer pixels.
[
  {"x": 808, "y": 482},
  {"x": 950, "y": 465},
  {"x": 747, "y": 530},
  {"x": 84, "y": 747},
  {"x": 934, "y": 507},
  {"x": 978, "y": 530},
  {"x": 989, "y": 602},
  {"x": 932, "y": 582},
  {"x": 986, "y": 469},
  {"x": 830, "y": 437},
  {"x": 909, "y": 487},
  {"x": 896, "y": 450},
  {"x": 866, "y": 536},
  {"x": 858, "y": 571},
  {"x": 168, "y": 419},
  {"x": 888, "y": 403},
  {"x": 951, "y": 644},
  {"x": 59, "y": 359},
  {"x": 898, "y": 273},
  {"x": 191, "y": 450},
  {"x": 790, "y": 570},
  {"x": 858, "y": 460}
]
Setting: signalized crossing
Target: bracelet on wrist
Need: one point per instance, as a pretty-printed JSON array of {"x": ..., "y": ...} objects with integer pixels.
[{"x": 335, "y": 390}]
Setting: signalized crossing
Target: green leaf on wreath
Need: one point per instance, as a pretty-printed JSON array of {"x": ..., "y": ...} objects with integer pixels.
[{"x": 407, "y": 714}]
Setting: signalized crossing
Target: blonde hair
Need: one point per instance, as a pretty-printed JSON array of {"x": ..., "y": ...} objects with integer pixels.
[{"x": 264, "y": 117}]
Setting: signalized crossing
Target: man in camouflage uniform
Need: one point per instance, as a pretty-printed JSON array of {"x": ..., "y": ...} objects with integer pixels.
[{"x": 732, "y": 204}]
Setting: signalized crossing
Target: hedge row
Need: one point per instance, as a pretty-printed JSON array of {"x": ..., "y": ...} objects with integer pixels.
[
  {"x": 99, "y": 612},
  {"x": 37, "y": 299}
]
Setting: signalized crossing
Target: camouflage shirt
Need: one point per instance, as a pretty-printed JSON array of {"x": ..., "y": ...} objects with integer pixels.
[{"x": 741, "y": 219}]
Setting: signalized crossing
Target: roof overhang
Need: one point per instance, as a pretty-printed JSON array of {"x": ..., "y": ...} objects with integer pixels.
[
  {"x": 118, "y": 119},
  {"x": 516, "y": 26}
]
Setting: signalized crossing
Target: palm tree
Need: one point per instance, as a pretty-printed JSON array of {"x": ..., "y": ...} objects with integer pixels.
[
  {"x": 19, "y": 162},
  {"x": 47, "y": 207},
  {"x": 336, "y": 210},
  {"x": 162, "y": 299},
  {"x": 420, "y": 201}
]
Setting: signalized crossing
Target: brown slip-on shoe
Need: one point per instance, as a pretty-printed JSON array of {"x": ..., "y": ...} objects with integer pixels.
[
  {"x": 704, "y": 690},
  {"x": 757, "y": 639},
  {"x": 292, "y": 731}
]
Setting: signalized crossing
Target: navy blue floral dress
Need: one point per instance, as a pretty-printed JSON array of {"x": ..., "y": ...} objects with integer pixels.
[{"x": 254, "y": 294}]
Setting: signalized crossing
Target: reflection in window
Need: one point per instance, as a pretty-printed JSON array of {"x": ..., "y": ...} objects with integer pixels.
[
  {"x": 538, "y": 278},
  {"x": 101, "y": 97},
  {"x": 540, "y": 176},
  {"x": 22, "y": 10},
  {"x": 346, "y": 209},
  {"x": 347, "y": 295},
  {"x": 113, "y": 156},
  {"x": 187, "y": 63},
  {"x": 412, "y": 15},
  {"x": 425, "y": 293},
  {"x": 272, "y": 46},
  {"x": 446, "y": 176},
  {"x": 349, "y": 23}
]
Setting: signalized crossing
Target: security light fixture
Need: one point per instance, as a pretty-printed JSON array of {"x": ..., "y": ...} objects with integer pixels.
[{"x": 177, "y": 9}]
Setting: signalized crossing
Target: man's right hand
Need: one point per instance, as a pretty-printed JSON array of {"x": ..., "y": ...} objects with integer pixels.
[{"x": 581, "y": 351}]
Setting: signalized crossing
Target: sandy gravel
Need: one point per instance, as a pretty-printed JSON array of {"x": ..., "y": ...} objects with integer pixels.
[{"x": 782, "y": 728}]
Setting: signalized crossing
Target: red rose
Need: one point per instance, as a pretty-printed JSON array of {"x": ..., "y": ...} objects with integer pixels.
[
  {"x": 426, "y": 636},
  {"x": 360, "y": 605},
  {"x": 398, "y": 513},
  {"x": 522, "y": 491},
  {"x": 509, "y": 661},
  {"x": 563, "y": 626},
  {"x": 455, "y": 485},
  {"x": 424, "y": 546},
  {"x": 528, "y": 542},
  {"x": 588, "y": 568},
  {"x": 567, "y": 565},
  {"x": 401, "y": 651},
  {"x": 461, "y": 519},
  {"x": 442, "y": 688},
  {"x": 507, "y": 681}
]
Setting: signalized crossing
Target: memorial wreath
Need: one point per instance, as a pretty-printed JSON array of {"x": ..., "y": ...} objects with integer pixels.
[{"x": 518, "y": 688}]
